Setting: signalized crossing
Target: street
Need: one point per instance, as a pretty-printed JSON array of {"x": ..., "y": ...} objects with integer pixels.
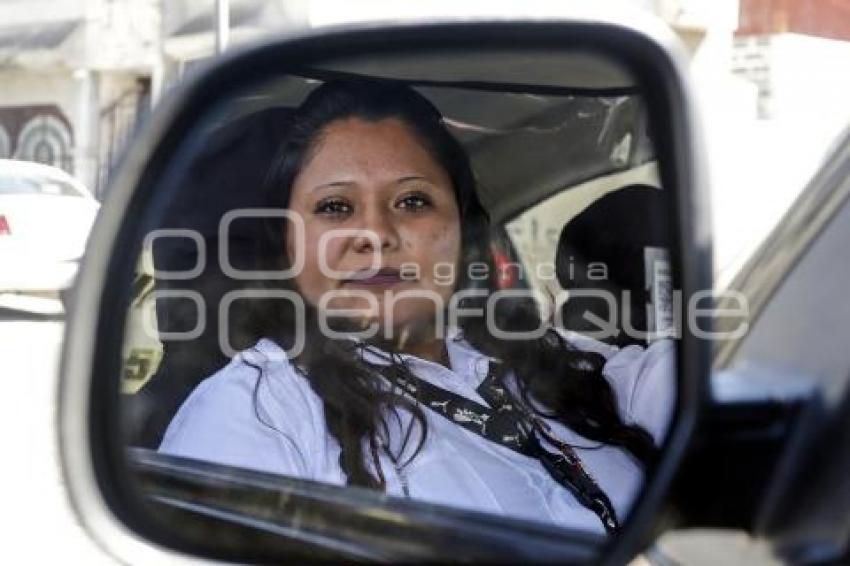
[{"x": 36, "y": 522}]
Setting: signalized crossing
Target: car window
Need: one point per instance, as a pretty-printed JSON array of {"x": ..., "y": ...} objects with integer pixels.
[
  {"x": 547, "y": 239},
  {"x": 36, "y": 185}
]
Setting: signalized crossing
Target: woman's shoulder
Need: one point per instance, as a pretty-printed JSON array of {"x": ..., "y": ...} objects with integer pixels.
[
  {"x": 586, "y": 343},
  {"x": 643, "y": 379},
  {"x": 628, "y": 363},
  {"x": 634, "y": 366},
  {"x": 239, "y": 380},
  {"x": 255, "y": 402}
]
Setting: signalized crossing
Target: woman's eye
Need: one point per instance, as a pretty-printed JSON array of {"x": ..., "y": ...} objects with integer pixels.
[
  {"x": 414, "y": 202},
  {"x": 333, "y": 207}
]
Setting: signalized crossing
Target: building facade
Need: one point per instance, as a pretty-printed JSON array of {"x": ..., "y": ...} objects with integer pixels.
[
  {"x": 797, "y": 52},
  {"x": 76, "y": 77}
]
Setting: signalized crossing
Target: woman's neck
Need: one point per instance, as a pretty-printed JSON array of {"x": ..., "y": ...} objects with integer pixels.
[{"x": 431, "y": 350}]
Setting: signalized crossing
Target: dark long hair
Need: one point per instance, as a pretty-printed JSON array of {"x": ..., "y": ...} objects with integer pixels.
[{"x": 558, "y": 380}]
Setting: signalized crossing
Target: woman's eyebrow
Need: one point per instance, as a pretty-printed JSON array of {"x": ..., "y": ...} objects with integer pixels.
[
  {"x": 413, "y": 178},
  {"x": 343, "y": 184},
  {"x": 335, "y": 185}
]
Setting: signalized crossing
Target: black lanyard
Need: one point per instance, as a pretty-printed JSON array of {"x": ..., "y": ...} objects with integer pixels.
[{"x": 509, "y": 423}]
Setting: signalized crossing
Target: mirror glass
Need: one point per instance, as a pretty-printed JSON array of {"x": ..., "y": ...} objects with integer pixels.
[{"x": 444, "y": 277}]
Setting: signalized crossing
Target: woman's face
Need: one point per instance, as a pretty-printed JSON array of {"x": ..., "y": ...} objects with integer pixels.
[{"x": 393, "y": 207}]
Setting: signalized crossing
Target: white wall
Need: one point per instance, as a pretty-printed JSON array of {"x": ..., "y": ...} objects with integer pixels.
[
  {"x": 28, "y": 88},
  {"x": 811, "y": 78},
  {"x": 122, "y": 35},
  {"x": 17, "y": 12},
  {"x": 761, "y": 165},
  {"x": 111, "y": 34}
]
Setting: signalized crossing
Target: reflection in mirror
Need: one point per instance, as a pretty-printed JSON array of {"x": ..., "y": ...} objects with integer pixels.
[{"x": 444, "y": 278}]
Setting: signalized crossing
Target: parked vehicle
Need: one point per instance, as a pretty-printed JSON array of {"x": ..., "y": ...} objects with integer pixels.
[{"x": 45, "y": 219}]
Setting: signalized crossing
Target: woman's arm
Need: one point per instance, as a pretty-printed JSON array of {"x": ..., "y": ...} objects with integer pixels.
[{"x": 644, "y": 382}]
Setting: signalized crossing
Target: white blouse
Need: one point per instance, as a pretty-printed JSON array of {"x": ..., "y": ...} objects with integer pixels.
[{"x": 282, "y": 430}]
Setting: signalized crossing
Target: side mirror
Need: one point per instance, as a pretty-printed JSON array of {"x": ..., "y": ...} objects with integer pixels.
[{"x": 553, "y": 115}]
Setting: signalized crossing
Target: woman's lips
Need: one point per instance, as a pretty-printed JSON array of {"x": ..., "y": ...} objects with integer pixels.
[{"x": 382, "y": 277}]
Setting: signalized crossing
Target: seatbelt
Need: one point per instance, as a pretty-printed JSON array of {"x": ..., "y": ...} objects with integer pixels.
[{"x": 509, "y": 423}]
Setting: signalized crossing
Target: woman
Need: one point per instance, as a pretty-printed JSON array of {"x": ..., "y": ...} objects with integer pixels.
[{"x": 543, "y": 426}]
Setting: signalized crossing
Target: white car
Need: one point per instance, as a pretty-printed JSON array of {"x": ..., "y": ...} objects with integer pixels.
[{"x": 45, "y": 219}]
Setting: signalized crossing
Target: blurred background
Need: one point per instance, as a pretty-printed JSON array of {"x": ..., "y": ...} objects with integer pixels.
[{"x": 79, "y": 77}]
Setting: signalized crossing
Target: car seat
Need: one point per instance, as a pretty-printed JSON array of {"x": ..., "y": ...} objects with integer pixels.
[
  {"x": 227, "y": 174},
  {"x": 618, "y": 243}
]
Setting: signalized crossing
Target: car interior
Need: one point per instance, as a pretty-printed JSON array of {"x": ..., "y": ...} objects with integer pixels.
[
  {"x": 553, "y": 162},
  {"x": 587, "y": 142}
]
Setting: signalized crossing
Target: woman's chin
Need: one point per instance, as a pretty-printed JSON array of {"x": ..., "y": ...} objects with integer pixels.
[{"x": 405, "y": 332}]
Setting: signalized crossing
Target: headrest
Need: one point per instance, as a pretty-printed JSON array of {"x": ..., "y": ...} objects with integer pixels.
[{"x": 613, "y": 231}]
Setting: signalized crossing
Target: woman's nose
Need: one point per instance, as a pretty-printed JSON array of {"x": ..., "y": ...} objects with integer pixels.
[{"x": 378, "y": 229}]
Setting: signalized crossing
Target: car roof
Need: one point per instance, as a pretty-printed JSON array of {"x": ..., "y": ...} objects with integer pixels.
[
  {"x": 524, "y": 143},
  {"x": 531, "y": 68}
]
